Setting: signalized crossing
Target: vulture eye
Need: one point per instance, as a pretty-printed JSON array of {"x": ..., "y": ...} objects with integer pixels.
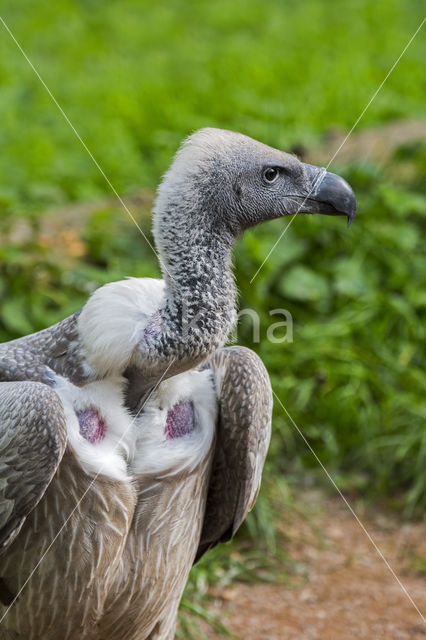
[{"x": 271, "y": 174}]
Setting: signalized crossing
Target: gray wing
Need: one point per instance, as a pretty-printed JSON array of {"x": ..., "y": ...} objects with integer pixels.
[
  {"x": 32, "y": 442},
  {"x": 243, "y": 435},
  {"x": 37, "y": 356}
]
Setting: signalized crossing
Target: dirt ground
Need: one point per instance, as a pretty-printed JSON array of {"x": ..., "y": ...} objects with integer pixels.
[{"x": 347, "y": 593}]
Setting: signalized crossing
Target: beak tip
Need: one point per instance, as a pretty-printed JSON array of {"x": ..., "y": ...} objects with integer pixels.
[
  {"x": 351, "y": 215},
  {"x": 333, "y": 195}
]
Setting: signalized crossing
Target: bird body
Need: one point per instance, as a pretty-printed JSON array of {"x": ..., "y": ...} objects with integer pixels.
[
  {"x": 119, "y": 473},
  {"x": 132, "y": 441}
]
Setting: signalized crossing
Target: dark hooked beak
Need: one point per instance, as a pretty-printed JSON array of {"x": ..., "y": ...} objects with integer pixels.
[{"x": 329, "y": 194}]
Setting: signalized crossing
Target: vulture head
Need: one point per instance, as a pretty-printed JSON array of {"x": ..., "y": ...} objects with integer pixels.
[
  {"x": 219, "y": 184},
  {"x": 222, "y": 183}
]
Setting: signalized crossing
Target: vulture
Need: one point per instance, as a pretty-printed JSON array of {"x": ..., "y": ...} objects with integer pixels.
[{"x": 132, "y": 440}]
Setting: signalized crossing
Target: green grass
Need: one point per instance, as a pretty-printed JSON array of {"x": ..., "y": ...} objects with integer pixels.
[
  {"x": 136, "y": 76},
  {"x": 353, "y": 378}
]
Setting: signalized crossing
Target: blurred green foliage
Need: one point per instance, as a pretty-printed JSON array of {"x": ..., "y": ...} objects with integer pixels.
[
  {"x": 353, "y": 379},
  {"x": 134, "y": 77}
]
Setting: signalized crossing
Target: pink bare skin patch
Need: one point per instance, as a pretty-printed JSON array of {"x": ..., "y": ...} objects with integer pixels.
[
  {"x": 180, "y": 420},
  {"x": 92, "y": 425}
]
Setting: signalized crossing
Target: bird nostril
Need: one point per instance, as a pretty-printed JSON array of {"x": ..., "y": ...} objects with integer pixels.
[{"x": 318, "y": 179}]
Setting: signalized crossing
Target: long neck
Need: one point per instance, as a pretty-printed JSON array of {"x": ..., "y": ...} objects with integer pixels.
[
  {"x": 200, "y": 309},
  {"x": 201, "y": 294}
]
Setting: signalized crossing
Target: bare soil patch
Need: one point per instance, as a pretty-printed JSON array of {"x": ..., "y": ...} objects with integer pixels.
[{"x": 348, "y": 593}]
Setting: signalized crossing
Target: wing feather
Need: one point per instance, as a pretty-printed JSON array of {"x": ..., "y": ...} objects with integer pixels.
[
  {"x": 32, "y": 442},
  {"x": 243, "y": 435}
]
